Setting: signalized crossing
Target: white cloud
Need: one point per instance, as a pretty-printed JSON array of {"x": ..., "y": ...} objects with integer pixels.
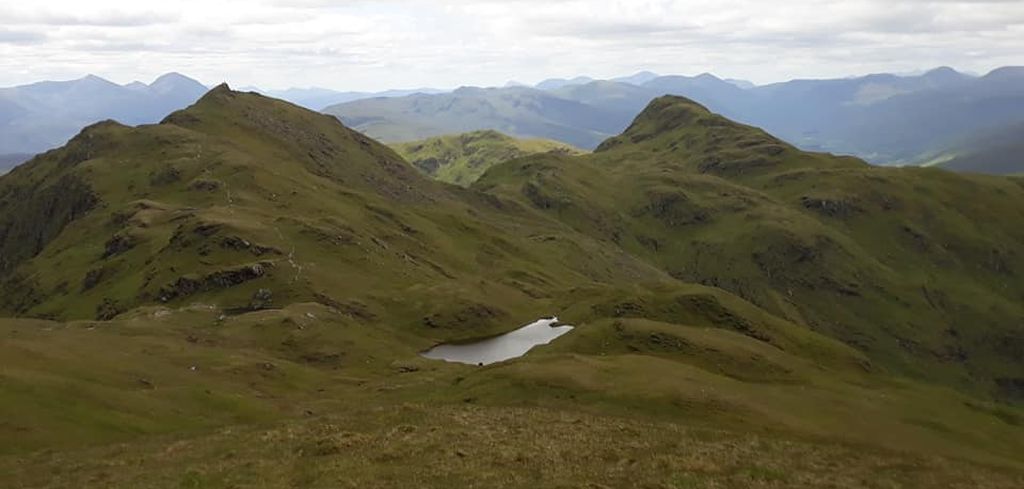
[{"x": 362, "y": 44}]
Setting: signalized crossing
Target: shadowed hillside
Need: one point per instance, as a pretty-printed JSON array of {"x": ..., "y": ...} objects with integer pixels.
[{"x": 995, "y": 152}]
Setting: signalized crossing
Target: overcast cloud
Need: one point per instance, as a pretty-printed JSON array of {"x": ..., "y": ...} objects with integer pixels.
[{"x": 366, "y": 45}]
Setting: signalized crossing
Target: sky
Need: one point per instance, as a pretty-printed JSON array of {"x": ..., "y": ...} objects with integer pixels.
[{"x": 377, "y": 45}]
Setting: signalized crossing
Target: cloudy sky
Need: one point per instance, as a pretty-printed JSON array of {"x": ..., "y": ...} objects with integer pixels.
[{"x": 372, "y": 45}]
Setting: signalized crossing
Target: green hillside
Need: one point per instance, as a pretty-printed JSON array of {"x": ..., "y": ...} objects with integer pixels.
[
  {"x": 462, "y": 158},
  {"x": 904, "y": 264},
  {"x": 238, "y": 296}
]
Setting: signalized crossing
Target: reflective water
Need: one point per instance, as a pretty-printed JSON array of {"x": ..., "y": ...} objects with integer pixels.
[{"x": 509, "y": 345}]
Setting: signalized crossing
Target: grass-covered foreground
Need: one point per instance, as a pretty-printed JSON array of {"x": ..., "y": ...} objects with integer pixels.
[
  {"x": 414, "y": 445},
  {"x": 309, "y": 397}
]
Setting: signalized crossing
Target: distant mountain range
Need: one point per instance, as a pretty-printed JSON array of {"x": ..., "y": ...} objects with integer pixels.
[
  {"x": 316, "y": 98},
  {"x": 884, "y": 118},
  {"x": 580, "y": 111},
  {"x": 44, "y": 115},
  {"x": 518, "y": 111}
]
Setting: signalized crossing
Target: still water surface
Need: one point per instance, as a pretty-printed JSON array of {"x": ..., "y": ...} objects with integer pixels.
[{"x": 509, "y": 345}]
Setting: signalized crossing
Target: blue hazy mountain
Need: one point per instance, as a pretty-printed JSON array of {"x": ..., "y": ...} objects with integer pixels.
[
  {"x": 556, "y": 83},
  {"x": 516, "y": 111},
  {"x": 44, "y": 115},
  {"x": 317, "y": 98}
]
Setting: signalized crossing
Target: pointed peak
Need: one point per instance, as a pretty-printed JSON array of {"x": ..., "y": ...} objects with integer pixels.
[
  {"x": 222, "y": 92},
  {"x": 944, "y": 74},
  {"x": 101, "y": 126},
  {"x": 942, "y": 70},
  {"x": 93, "y": 80},
  {"x": 223, "y": 87},
  {"x": 664, "y": 115},
  {"x": 173, "y": 77},
  {"x": 485, "y": 134},
  {"x": 251, "y": 108},
  {"x": 178, "y": 85},
  {"x": 89, "y": 136},
  {"x": 638, "y": 78},
  {"x": 219, "y": 95},
  {"x": 672, "y": 109}
]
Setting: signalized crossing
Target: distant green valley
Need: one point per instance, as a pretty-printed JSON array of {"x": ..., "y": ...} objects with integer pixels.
[{"x": 461, "y": 159}]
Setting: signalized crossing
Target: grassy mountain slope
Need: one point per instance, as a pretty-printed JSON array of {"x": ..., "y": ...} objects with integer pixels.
[
  {"x": 248, "y": 284},
  {"x": 903, "y": 263},
  {"x": 240, "y": 193},
  {"x": 462, "y": 158}
]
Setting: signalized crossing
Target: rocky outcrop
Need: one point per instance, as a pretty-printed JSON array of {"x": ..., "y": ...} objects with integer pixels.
[{"x": 189, "y": 285}]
